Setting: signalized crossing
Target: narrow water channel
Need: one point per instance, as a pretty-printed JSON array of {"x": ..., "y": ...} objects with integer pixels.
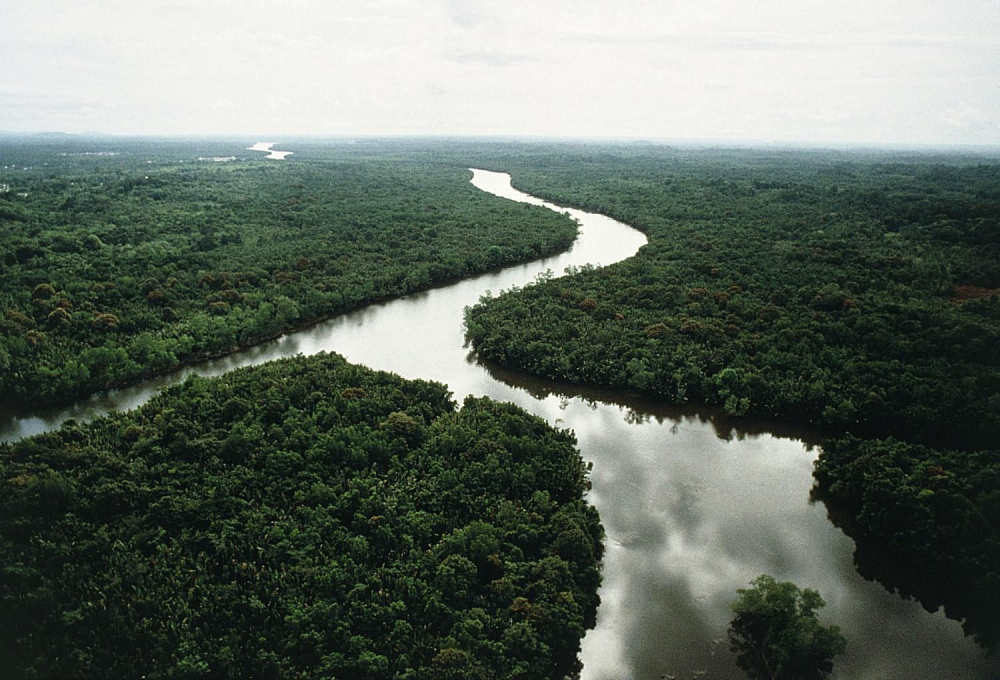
[{"x": 695, "y": 505}]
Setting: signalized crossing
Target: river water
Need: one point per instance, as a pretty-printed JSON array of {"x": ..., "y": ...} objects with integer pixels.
[
  {"x": 695, "y": 504},
  {"x": 271, "y": 153}
]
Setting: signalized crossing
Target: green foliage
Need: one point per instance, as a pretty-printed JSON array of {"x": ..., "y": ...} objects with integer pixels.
[
  {"x": 167, "y": 262},
  {"x": 776, "y": 633},
  {"x": 305, "y": 518},
  {"x": 857, "y": 295},
  {"x": 912, "y": 505}
]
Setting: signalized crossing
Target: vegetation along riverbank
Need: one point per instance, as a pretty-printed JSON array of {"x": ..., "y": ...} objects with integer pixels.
[
  {"x": 299, "y": 518},
  {"x": 857, "y": 292},
  {"x": 117, "y": 268}
]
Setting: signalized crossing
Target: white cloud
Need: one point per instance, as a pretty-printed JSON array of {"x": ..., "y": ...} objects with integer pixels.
[
  {"x": 852, "y": 70},
  {"x": 277, "y": 102}
]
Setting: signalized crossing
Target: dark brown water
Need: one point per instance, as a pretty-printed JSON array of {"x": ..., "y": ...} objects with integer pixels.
[{"x": 695, "y": 504}]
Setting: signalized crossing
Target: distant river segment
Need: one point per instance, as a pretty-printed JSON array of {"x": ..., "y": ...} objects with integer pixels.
[
  {"x": 271, "y": 153},
  {"x": 695, "y": 504}
]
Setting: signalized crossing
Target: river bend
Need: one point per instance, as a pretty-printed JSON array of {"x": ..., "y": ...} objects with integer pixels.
[{"x": 695, "y": 505}]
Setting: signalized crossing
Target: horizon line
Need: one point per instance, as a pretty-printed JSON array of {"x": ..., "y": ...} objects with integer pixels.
[{"x": 634, "y": 139}]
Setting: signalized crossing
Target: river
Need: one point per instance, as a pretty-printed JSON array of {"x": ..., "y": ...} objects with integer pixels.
[
  {"x": 695, "y": 504},
  {"x": 271, "y": 153}
]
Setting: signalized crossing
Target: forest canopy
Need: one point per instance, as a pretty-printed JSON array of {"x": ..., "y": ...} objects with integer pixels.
[
  {"x": 777, "y": 635},
  {"x": 853, "y": 295},
  {"x": 908, "y": 504},
  {"x": 117, "y": 267},
  {"x": 305, "y": 518},
  {"x": 858, "y": 293}
]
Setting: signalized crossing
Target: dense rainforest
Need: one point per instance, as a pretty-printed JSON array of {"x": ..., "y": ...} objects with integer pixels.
[
  {"x": 119, "y": 264},
  {"x": 857, "y": 294},
  {"x": 277, "y": 522},
  {"x": 928, "y": 522},
  {"x": 305, "y": 518}
]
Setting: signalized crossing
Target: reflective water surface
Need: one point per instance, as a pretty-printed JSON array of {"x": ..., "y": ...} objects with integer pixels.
[
  {"x": 271, "y": 153},
  {"x": 695, "y": 504}
]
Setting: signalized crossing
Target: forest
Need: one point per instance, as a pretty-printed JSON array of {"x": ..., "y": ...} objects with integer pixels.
[
  {"x": 914, "y": 505},
  {"x": 860, "y": 295},
  {"x": 305, "y": 518},
  {"x": 119, "y": 265},
  {"x": 310, "y": 518}
]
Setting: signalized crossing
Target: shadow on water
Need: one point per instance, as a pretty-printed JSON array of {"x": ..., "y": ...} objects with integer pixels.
[
  {"x": 641, "y": 408},
  {"x": 977, "y": 608}
]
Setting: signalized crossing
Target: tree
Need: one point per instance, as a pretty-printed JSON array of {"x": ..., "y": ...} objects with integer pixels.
[{"x": 777, "y": 636}]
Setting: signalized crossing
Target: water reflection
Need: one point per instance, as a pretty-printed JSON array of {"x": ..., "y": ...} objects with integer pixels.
[
  {"x": 271, "y": 153},
  {"x": 690, "y": 518},
  {"x": 695, "y": 504},
  {"x": 961, "y": 600},
  {"x": 641, "y": 409}
]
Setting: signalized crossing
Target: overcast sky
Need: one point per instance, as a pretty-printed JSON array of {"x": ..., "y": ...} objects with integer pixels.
[{"x": 899, "y": 71}]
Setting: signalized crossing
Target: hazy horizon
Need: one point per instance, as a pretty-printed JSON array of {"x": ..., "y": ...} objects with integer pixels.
[
  {"x": 750, "y": 144},
  {"x": 913, "y": 73}
]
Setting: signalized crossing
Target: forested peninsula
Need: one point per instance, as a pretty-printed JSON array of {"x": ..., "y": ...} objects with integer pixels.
[
  {"x": 858, "y": 293},
  {"x": 305, "y": 518},
  {"x": 116, "y": 266}
]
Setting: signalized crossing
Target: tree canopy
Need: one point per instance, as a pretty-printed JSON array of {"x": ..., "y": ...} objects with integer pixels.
[
  {"x": 304, "y": 518},
  {"x": 776, "y": 632},
  {"x": 925, "y": 521},
  {"x": 116, "y": 268},
  {"x": 852, "y": 294},
  {"x": 855, "y": 292}
]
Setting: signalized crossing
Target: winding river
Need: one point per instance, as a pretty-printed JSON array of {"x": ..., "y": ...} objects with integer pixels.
[{"x": 695, "y": 505}]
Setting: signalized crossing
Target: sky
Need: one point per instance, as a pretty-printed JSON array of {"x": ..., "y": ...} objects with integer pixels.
[{"x": 842, "y": 71}]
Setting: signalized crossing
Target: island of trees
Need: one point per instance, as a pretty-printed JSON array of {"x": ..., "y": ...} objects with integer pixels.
[{"x": 776, "y": 633}]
